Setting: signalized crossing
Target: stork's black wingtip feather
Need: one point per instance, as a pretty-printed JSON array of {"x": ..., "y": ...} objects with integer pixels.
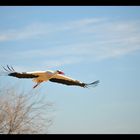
[
  {"x": 5, "y": 69},
  {"x": 8, "y": 69},
  {"x": 95, "y": 83},
  {"x": 12, "y": 68}
]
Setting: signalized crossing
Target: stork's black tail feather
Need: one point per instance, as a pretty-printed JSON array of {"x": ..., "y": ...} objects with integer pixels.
[{"x": 95, "y": 83}]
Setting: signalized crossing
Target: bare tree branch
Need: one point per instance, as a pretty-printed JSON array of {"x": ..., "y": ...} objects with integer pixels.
[{"x": 23, "y": 113}]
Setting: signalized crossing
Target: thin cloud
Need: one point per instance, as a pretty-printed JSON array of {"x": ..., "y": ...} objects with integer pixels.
[
  {"x": 30, "y": 31},
  {"x": 105, "y": 39},
  {"x": 36, "y": 30}
]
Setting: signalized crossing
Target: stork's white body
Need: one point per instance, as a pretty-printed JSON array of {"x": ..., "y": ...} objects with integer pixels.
[
  {"x": 46, "y": 75},
  {"x": 42, "y": 75}
]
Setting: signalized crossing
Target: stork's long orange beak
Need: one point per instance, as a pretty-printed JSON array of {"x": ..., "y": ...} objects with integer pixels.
[{"x": 60, "y": 72}]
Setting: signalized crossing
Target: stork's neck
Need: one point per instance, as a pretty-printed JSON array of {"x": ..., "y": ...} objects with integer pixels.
[
  {"x": 53, "y": 74},
  {"x": 56, "y": 72}
]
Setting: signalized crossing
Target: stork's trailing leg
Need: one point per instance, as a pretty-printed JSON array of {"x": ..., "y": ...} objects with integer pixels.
[{"x": 37, "y": 84}]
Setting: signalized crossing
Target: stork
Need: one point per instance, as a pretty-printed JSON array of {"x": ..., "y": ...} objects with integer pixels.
[{"x": 49, "y": 75}]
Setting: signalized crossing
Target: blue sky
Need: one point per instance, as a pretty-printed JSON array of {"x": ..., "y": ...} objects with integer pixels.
[{"x": 88, "y": 43}]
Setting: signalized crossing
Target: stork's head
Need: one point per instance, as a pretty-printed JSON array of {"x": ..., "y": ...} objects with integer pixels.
[{"x": 60, "y": 72}]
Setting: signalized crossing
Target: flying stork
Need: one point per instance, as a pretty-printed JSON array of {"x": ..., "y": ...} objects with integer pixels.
[{"x": 49, "y": 75}]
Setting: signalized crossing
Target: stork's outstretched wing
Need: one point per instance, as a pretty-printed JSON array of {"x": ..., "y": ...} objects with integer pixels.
[
  {"x": 71, "y": 82},
  {"x": 12, "y": 72},
  {"x": 22, "y": 75}
]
